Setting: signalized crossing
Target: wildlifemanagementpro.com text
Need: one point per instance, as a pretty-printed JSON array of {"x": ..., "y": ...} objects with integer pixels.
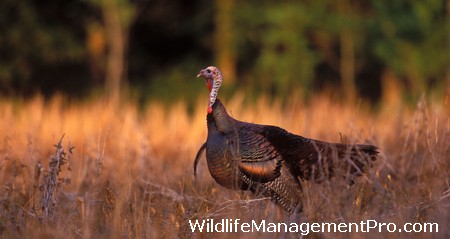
[{"x": 236, "y": 225}]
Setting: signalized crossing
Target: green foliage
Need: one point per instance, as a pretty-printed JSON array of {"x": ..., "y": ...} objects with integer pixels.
[
  {"x": 285, "y": 59},
  {"x": 174, "y": 83},
  {"x": 292, "y": 38},
  {"x": 29, "y": 40},
  {"x": 411, "y": 37},
  {"x": 279, "y": 46}
]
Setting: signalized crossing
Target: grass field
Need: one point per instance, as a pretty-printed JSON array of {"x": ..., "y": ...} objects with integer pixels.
[{"x": 130, "y": 174}]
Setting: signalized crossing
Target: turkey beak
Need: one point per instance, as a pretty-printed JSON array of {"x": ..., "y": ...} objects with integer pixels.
[{"x": 200, "y": 73}]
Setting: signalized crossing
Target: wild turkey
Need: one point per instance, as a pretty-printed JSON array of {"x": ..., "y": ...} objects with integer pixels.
[{"x": 268, "y": 160}]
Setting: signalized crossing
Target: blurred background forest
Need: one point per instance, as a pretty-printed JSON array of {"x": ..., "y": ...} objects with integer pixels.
[{"x": 153, "y": 49}]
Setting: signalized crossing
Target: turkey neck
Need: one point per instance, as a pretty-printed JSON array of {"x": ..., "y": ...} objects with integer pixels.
[{"x": 219, "y": 120}]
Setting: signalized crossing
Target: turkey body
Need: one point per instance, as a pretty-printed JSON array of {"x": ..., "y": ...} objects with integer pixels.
[{"x": 270, "y": 161}]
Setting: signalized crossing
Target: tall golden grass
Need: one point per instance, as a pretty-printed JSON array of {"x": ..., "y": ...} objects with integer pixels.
[{"x": 131, "y": 172}]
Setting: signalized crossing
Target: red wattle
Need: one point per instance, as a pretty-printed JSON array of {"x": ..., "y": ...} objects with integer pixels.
[
  {"x": 209, "y": 84},
  {"x": 209, "y": 110}
]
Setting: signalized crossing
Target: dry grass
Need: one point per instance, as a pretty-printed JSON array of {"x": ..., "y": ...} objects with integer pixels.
[{"x": 131, "y": 175}]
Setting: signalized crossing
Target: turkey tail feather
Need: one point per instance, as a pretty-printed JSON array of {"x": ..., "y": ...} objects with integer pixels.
[
  {"x": 354, "y": 159},
  {"x": 197, "y": 157}
]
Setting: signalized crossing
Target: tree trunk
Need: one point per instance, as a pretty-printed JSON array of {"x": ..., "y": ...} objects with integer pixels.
[
  {"x": 447, "y": 49},
  {"x": 347, "y": 65},
  {"x": 116, "y": 50},
  {"x": 392, "y": 91},
  {"x": 96, "y": 49},
  {"x": 224, "y": 40}
]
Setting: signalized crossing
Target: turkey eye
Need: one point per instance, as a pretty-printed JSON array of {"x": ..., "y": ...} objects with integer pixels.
[{"x": 208, "y": 71}]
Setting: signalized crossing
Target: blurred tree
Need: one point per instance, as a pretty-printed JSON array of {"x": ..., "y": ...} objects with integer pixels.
[
  {"x": 96, "y": 50},
  {"x": 117, "y": 17},
  {"x": 346, "y": 11},
  {"x": 283, "y": 59},
  {"x": 224, "y": 43},
  {"x": 350, "y": 37},
  {"x": 448, "y": 47},
  {"x": 294, "y": 38},
  {"x": 411, "y": 37},
  {"x": 342, "y": 25},
  {"x": 274, "y": 47}
]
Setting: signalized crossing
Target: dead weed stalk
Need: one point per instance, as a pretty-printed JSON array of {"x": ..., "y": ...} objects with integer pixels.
[{"x": 49, "y": 182}]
